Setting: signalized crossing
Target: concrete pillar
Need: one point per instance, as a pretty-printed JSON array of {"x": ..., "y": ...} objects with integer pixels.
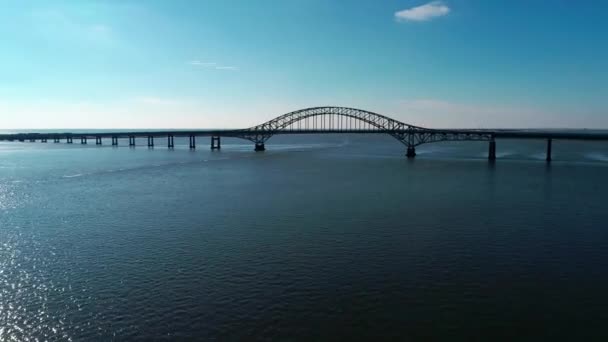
[
  {"x": 83, "y": 140},
  {"x": 56, "y": 140},
  {"x": 492, "y": 150},
  {"x": 150, "y": 141},
  {"x": 192, "y": 142},
  {"x": 43, "y": 140},
  {"x": 97, "y": 140},
  {"x": 259, "y": 147},
  {"x": 549, "y": 143},
  {"x": 170, "y": 143},
  {"x": 215, "y": 143},
  {"x": 69, "y": 140},
  {"x": 411, "y": 152},
  {"x": 132, "y": 141},
  {"x": 114, "y": 141}
]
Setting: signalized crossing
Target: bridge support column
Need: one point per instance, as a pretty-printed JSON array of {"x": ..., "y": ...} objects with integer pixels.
[
  {"x": 43, "y": 140},
  {"x": 192, "y": 142},
  {"x": 215, "y": 143},
  {"x": 68, "y": 140},
  {"x": 83, "y": 140},
  {"x": 56, "y": 140},
  {"x": 549, "y": 143},
  {"x": 259, "y": 147},
  {"x": 114, "y": 141},
  {"x": 132, "y": 141},
  {"x": 170, "y": 143},
  {"x": 97, "y": 140},
  {"x": 492, "y": 151},
  {"x": 32, "y": 140},
  {"x": 150, "y": 141},
  {"x": 411, "y": 152}
]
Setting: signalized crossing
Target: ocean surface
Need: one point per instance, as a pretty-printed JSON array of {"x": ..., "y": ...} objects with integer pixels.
[{"x": 335, "y": 237}]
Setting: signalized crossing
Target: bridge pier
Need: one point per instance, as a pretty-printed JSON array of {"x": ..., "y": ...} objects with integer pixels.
[
  {"x": 549, "y": 143},
  {"x": 411, "y": 152},
  {"x": 83, "y": 140},
  {"x": 170, "y": 143},
  {"x": 492, "y": 151},
  {"x": 215, "y": 143},
  {"x": 68, "y": 140},
  {"x": 192, "y": 142},
  {"x": 132, "y": 141},
  {"x": 259, "y": 147},
  {"x": 43, "y": 140},
  {"x": 97, "y": 140},
  {"x": 150, "y": 141},
  {"x": 114, "y": 141},
  {"x": 32, "y": 140},
  {"x": 56, "y": 140}
]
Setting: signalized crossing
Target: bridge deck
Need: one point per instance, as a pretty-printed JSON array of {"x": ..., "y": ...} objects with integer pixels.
[
  {"x": 321, "y": 120},
  {"x": 499, "y": 134}
]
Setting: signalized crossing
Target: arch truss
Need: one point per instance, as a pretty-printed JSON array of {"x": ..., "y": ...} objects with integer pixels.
[{"x": 350, "y": 120}]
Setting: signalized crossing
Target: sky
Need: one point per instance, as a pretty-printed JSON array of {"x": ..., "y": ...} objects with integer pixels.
[{"x": 237, "y": 63}]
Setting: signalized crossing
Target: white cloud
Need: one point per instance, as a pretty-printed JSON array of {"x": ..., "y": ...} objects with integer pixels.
[
  {"x": 153, "y": 100},
  {"x": 213, "y": 65},
  {"x": 425, "y": 12},
  {"x": 100, "y": 28},
  {"x": 202, "y": 64},
  {"x": 231, "y": 68},
  {"x": 63, "y": 25}
]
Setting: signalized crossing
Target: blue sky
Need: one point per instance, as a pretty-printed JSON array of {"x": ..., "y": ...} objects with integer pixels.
[{"x": 229, "y": 63}]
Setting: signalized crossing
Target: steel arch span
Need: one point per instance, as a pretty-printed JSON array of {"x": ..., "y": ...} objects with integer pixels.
[
  {"x": 351, "y": 120},
  {"x": 314, "y": 120}
]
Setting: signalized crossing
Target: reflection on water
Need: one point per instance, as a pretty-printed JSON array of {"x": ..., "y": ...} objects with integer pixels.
[
  {"x": 327, "y": 238},
  {"x": 26, "y": 311}
]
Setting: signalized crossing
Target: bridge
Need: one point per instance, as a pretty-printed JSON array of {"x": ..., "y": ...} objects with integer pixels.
[{"x": 318, "y": 120}]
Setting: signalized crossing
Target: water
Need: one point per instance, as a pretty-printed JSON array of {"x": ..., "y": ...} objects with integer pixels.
[{"x": 318, "y": 238}]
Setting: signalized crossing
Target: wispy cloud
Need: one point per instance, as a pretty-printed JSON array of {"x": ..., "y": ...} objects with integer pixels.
[
  {"x": 99, "y": 28},
  {"x": 65, "y": 25},
  {"x": 424, "y": 12},
  {"x": 232, "y": 68},
  {"x": 213, "y": 65},
  {"x": 202, "y": 64},
  {"x": 153, "y": 100}
]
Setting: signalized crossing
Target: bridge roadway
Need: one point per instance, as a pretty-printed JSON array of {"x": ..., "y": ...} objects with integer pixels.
[
  {"x": 215, "y": 135},
  {"x": 237, "y": 133},
  {"x": 321, "y": 120}
]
